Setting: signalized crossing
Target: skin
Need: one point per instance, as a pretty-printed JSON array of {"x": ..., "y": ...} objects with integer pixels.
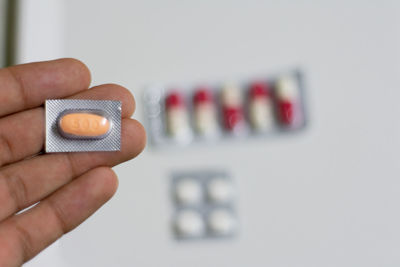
[{"x": 69, "y": 186}]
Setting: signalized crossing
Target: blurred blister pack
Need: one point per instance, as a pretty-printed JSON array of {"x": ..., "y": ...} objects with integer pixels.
[
  {"x": 204, "y": 205},
  {"x": 225, "y": 111},
  {"x": 74, "y": 125}
]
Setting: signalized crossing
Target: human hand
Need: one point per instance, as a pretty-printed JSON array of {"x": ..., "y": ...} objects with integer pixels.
[{"x": 69, "y": 186}]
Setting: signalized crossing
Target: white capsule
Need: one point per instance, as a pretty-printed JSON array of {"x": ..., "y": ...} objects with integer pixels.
[
  {"x": 232, "y": 109},
  {"x": 206, "y": 119},
  {"x": 188, "y": 191},
  {"x": 261, "y": 114},
  {"x": 177, "y": 119},
  {"x": 190, "y": 223},
  {"x": 220, "y": 190},
  {"x": 178, "y": 123},
  {"x": 221, "y": 222},
  {"x": 288, "y": 104}
]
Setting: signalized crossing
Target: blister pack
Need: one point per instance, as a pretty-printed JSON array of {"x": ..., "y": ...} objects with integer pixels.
[
  {"x": 204, "y": 205},
  {"x": 82, "y": 125},
  {"x": 199, "y": 114}
]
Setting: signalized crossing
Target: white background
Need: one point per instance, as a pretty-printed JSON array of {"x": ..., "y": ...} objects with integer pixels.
[{"x": 327, "y": 197}]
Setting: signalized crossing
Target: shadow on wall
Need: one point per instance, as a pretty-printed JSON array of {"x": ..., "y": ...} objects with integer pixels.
[{"x": 9, "y": 33}]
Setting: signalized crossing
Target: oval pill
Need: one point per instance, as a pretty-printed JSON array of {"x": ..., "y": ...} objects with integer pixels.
[{"x": 84, "y": 125}]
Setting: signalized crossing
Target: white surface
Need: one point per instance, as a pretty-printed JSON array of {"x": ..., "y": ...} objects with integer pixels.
[
  {"x": 40, "y": 30},
  {"x": 326, "y": 197}
]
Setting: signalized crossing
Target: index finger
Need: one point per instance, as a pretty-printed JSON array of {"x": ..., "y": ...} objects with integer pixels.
[{"x": 29, "y": 85}]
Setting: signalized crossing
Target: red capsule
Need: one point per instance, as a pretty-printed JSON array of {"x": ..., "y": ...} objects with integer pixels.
[
  {"x": 232, "y": 108},
  {"x": 259, "y": 90},
  {"x": 203, "y": 95},
  {"x": 286, "y": 112},
  {"x": 177, "y": 121},
  {"x": 260, "y": 106},
  {"x": 174, "y": 99},
  {"x": 287, "y": 97},
  {"x": 204, "y": 113},
  {"x": 233, "y": 117}
]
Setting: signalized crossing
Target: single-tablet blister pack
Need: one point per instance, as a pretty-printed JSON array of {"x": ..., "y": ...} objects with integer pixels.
[
  {"x": 225, "y": 111},
  {"x": 204, "y": 205},
  {"x": 74, "y": 125}
]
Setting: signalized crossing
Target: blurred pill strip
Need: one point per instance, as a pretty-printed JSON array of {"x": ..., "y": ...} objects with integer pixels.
[{"x": 230, "y": 110}]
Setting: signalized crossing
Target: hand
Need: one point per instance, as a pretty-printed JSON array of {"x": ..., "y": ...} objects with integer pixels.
[{"x": 69, "y": 186}]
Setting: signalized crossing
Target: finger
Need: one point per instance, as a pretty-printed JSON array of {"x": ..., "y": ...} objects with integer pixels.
[
  {"x": 28, "y": 181},
  {"x": 22, "y": 134},
  {"x": 111, "y": 92},
  {"x": 25, "y": 235},
  {"x": 29, "y": 85}
]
